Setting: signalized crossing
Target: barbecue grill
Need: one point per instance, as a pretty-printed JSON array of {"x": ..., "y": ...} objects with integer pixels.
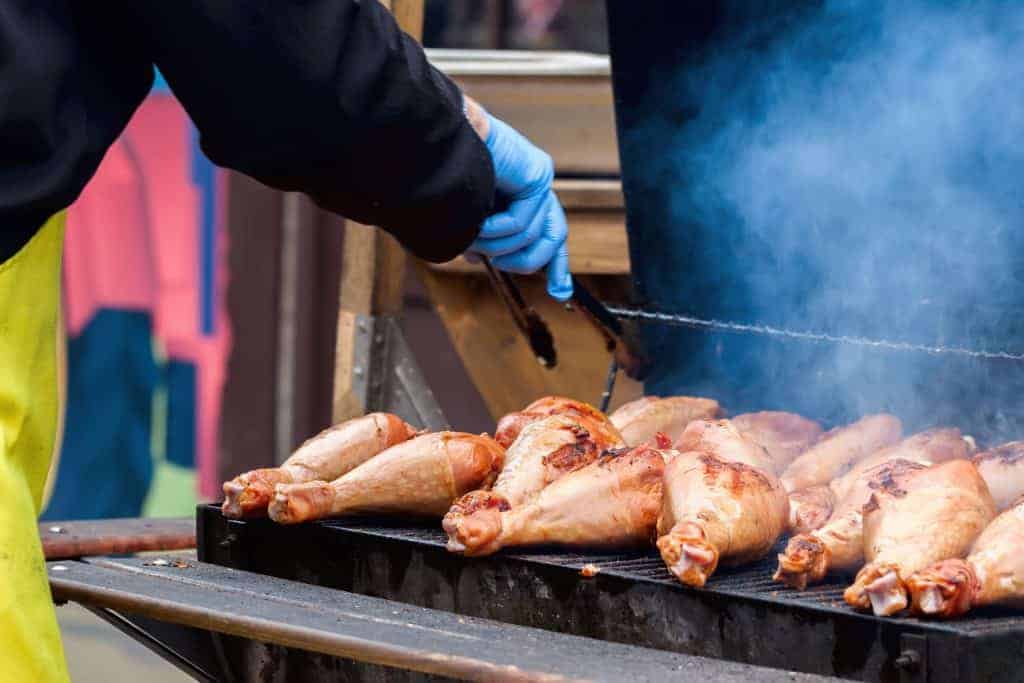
[
  {"x": 710, "y": 334},
  {"x": 740, "y": 615}
]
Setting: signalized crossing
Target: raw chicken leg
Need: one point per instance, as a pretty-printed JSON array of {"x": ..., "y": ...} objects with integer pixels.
[
  {"x": 611, "y": 502},
  {"x": 544, "y": 451},
  {"x": 1002, "y": 468},
  {"x": 941, "y": 511},
  {"x": 784, "y": 435},
  {"x": 839, "y": 449},
  {"x": 715, "y": 510},
  {"x": 993, "y": 574},
  {"x": 419, "y": 477},
  {"x": 325, "y": 457},
  {"x": 594, "y": 420},
  {"x": 722, "y": 439},
  {"x": 640, "y": 421},
  {"x": 839, "y": 544}
]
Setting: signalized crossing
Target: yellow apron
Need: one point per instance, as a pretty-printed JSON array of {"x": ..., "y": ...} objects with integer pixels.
[{"x": 30, "y": 648}]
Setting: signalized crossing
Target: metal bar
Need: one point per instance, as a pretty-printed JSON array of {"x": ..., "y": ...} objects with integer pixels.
[
  {"x": 154, "y": 644},
  {"x": 366, "y": 629},
  {"x": 284, "y": 416},
  {"x": 804, "y": 335},
  {"x": 62, "y": 540},
  {"x": 609, "y": 384}
]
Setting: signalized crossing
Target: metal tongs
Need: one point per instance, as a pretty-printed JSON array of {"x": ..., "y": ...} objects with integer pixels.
[
  {"x": 529, "y": 322},
  {"x": 622, "y": 344}
]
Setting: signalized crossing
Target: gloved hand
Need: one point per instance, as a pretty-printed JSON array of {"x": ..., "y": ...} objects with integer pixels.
[{"x": 531, "y": 232}]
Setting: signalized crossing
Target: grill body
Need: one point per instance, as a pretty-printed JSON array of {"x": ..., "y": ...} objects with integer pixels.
[{"x": 741, "y": 615}]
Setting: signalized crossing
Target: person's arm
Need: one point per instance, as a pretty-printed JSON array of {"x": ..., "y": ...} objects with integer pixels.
[{"x": 330, "y": 98}]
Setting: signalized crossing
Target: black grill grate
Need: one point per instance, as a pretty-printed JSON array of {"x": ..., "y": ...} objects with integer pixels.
[{"x": 749, "y": 581}]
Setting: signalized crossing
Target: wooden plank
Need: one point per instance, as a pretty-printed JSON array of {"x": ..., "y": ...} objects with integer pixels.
[
  {"x": 569, "y": 117},
  {"x": 562, "y": 101},
  {"x": 590, "y": 194},
  {"x": 62, "y": 540},
  {"x": 373, "y": 267},
  {"x": 499, "y": 360},
  {"x": 598, "y": 245},
  {"x": 367, "y": 629}
]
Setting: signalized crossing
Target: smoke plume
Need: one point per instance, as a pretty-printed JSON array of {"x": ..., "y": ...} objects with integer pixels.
[{"x": 853, "y": 168}]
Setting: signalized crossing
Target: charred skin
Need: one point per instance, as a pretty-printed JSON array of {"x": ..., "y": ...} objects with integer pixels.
[
  {"x": 511, "y": 425},
  {"x": 421, "y": 477},
  {"x": 583, "y": 451},
  {"x": 929, "y": 447},
  {"x": 474, "y": 522},
  {"x": 325, "y": 457},
  {"x": 810, "y": 509},
  {"x": 805, "y": 560},
  {"x": 688, "y": 554},
  {"x": 545, "y": 451},
  {"x": 944, "y": 590}
]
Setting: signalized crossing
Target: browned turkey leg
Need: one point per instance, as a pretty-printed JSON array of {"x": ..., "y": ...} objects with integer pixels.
[
  {"x": 1002, "y": 468},
  {"x": 640, "y": 421},
  {"x": 929, "y": 447},
  {"x": 419, "y": 477},
  {"x": 722, "y": 439},
  {"x": 544, "y": 451},
  {"x": 839, "y": 449},
  {"x": 715, "y": 510},
  {"x": 993, "y": 574},
  {"x": 839, "y": 544},
  {"x": 941, "y": 511},
  {"x": 612, "y": 502},
  {"x": 325, "y": 457},
  {"x": 785, "y": 436},
  {"x": 594, "y": 420}
]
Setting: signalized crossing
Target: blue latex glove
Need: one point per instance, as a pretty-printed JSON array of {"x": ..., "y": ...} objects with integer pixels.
[{"x": 530, "y": 234}]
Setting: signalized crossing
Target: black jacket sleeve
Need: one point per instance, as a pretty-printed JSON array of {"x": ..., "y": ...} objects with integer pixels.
[
  {"x": 330, "y": 98},
  {"x": 326, "y": 97}
]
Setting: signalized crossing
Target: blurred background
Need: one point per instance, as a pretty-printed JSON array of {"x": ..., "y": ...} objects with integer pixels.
[{"x": 178, "y": 317}]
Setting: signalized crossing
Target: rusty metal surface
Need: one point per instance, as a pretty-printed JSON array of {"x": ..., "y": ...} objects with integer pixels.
[
  {"x": 62, "y": 540},
  {"x": 742, "y": 615},
  {"x": 363, "y": 628}
]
